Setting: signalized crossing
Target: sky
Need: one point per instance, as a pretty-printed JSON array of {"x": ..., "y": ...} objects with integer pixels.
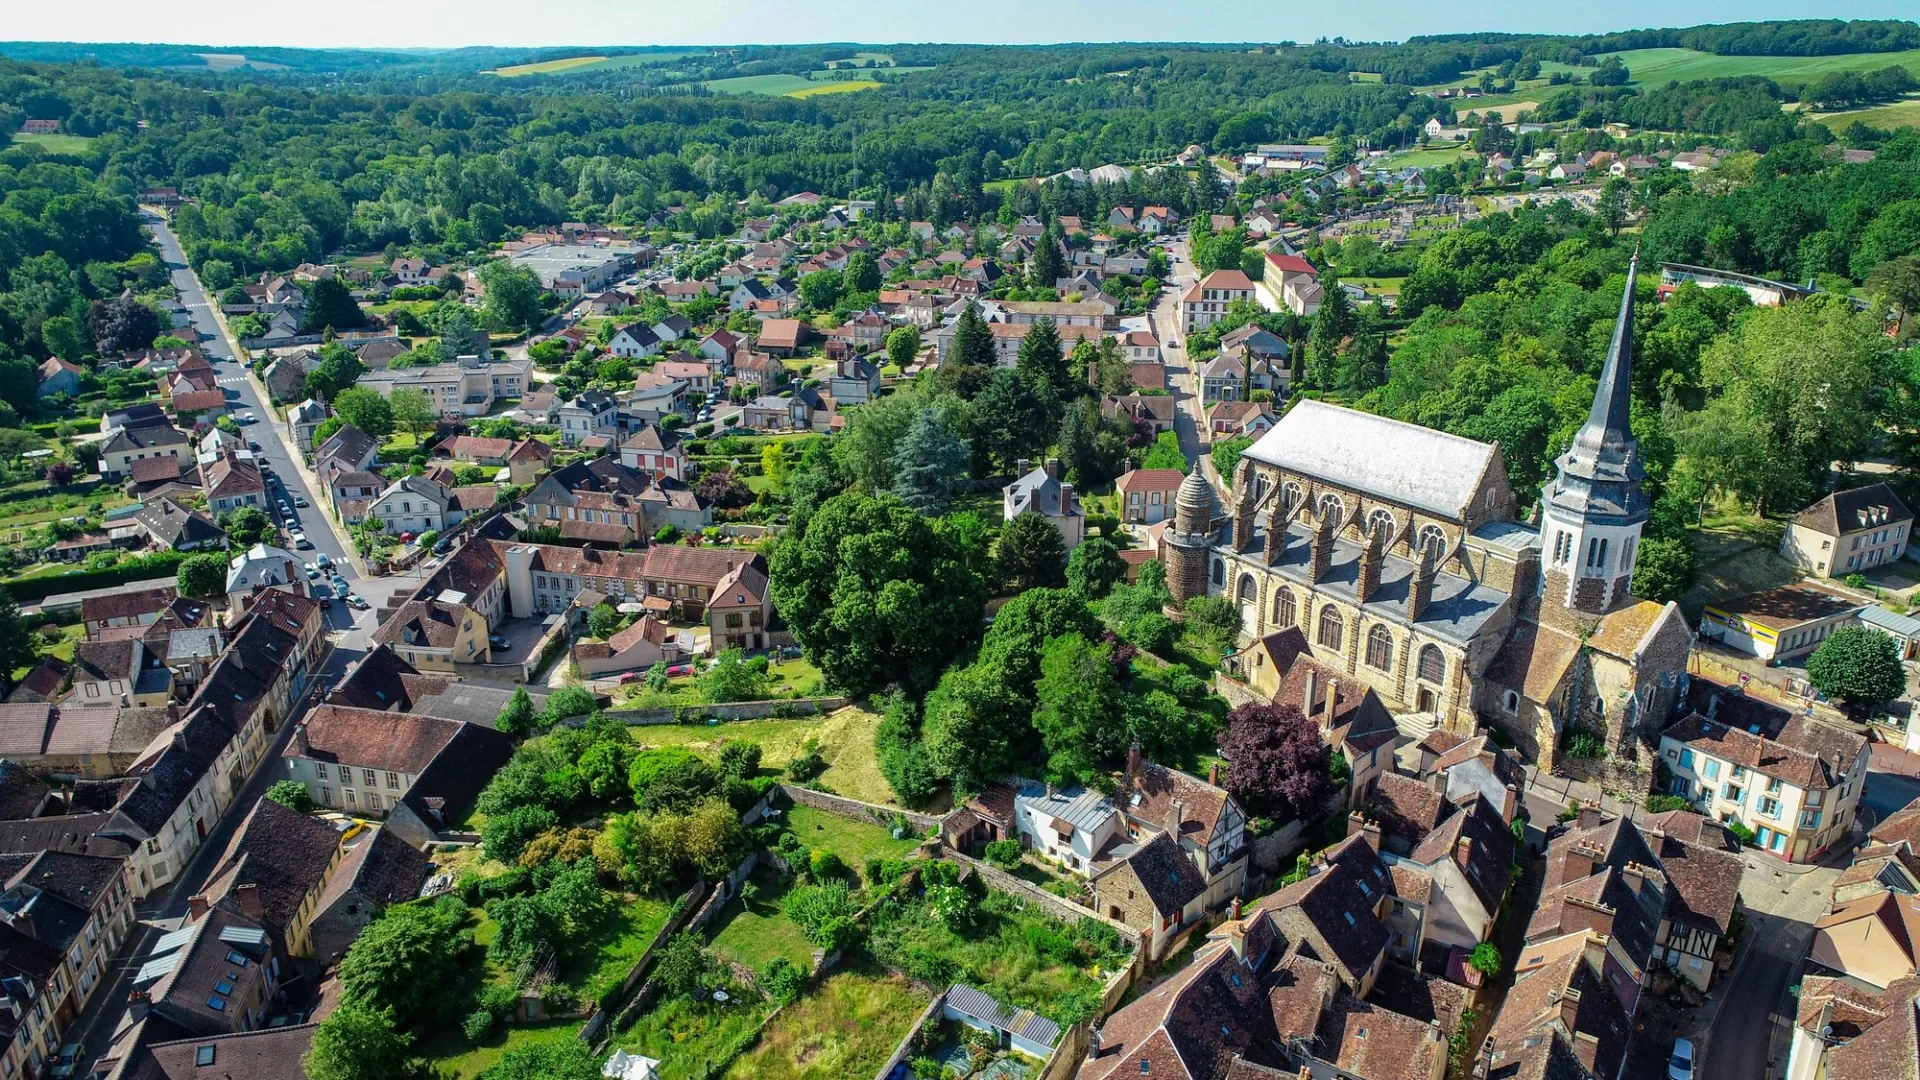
[{"x": 447, "y": 23}]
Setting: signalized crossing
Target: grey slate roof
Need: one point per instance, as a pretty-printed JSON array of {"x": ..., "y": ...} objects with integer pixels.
[
  {"x": 1400, "y": 462},
  {"x": 1039, "y": 491},
  {"x": 1170, "y": 878},
  {"x": 1867, "y": 507},
  {"x": 1024, "y": 1023}
]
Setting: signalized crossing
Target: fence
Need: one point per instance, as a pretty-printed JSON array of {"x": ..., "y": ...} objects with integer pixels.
[
  {"x": 906, "y": 1043},
  {"x": 855, "y": 809},
  {"x": 683, "y": 913},
  {"x": 1057, "y": 906}
]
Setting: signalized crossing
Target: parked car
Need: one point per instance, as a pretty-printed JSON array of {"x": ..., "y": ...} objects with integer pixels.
[
  {"x": 499, "y": 642},
  {"x": 246, "y": 418},
  {"x": 679, "y": 671},
  {"x": 354, "y": 600},
  {"x": 444, "y": 546},
  {"x": 300, "y": 502},
  {"x": 323, "y": 562},
  {"x": 628, "y": 677},
  {"x": 341, "y": 588},
  {"x": 300, "y": 541},
  {"x": 1680, "y": 1065},
  {"x": 253, "y": 444}
]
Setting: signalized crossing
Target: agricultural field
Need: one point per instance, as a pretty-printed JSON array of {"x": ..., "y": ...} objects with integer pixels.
[
  {"x": 589, "y": 63},
  {"x": 797, "y": 86},
  {"x": 842, "y": 86},
  {"x": 237, "y": 61},
  {"x": 1656, "y": 67},
  {"x": 1442, "y": 155},
  {"x": 54, "y": 144},
  {"x": 1898, "y": 114},
  {"x": 845, "y": 1027}
]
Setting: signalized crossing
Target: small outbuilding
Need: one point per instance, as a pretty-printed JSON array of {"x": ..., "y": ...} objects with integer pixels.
[{"x": 1018, "y": 1029}]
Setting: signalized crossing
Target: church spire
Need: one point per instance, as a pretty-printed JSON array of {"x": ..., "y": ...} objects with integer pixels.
[{"x": 1608, "y": 428}]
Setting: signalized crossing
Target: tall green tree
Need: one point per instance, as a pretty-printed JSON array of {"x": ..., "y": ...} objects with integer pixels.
[
  {"x": 1012, "y": 421},
  {"x": 513, "y": 295},
  {"x": 929, "y": 465},
  {"x": 1030, "y": 554},
  {"x": 202, "y": 575},
  {"x": 1858, "y": 665},
  {"x": 411, "y": 410},
  {"x": 1094, "y": 567},
  {"x": 365, "y": 410},
  {"x": 410, "y": 960},
  {"x": 903, "y": 346},
  {"x": 1043, "y": 362},
  {"x": 1081, "y": 713},
  {"x": 358, "y": 1042},
  {"x": 1048, "y": 264},
  {"x": 862, "y": 273},
  {"x": 875, "y": 594},
  {"x": 331, "y": 306}
]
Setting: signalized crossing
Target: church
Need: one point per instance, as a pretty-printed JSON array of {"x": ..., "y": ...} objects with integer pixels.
[{"x": 1398, "y": 553}]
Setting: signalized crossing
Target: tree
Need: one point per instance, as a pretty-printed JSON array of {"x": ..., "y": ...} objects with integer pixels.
[
  {"x": 1276, "y": 760},
  {"x": 1043, "y": 362},
  {"x": 1030, "y": 554},
  {"x": 247, "y": 526},
  {"x": 929, "y": 465},
  {"x": 874, "y": 594},
  {"x": 359, "y": 1042},
  {"x": 862, "y": 273},
  {"x": 723, "y": 489},
  {"x": 1047, "y": 264},
  {"x": 513, "y": 294},
  {"x": 1094, "y": 567},
  {"x": 1859, "y": 666},
  {"x": 1165, "y": 454},
  {"x": 365, "y": 410},
  {"x": 461, "y": 336},
  {"x": 202, "y": 575},
  {"x": 1611, "y": 72},
  {"x": 733, "y": 677},
  {"x": 410, "y": 960},
  {"x": 517, "y": 718},
  {"x": 1612, "y": 207},
  {"x": 1664, "y": 569},
  {"x": 411, "y": 411},
  {"x": 1012, "y": 421},
  {"x": 59, "y": 474},
  {"x": 903, "y": 346},
  {"x": 1080, "y": 713},
  {"x": 291, "y": 794},
  {"x": 122, "y": 324},
  {"x": 603, "y": 621},
  {"x": 331, "y": 306},
  {"x": 554, "y": 1059},
  {"x": 970, "y": 359},
  {"x": 565, "y": 704},
  {"x": 1226, "y": 454},
  {"x": 822, "y": 289},
  {"x": 1486, "y": 959},
  {"x": 683, "y": 965},
  {"x": 19, "y": 648}
]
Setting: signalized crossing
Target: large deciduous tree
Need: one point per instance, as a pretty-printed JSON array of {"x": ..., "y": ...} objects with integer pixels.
[
  {"x": 122, "y": 324},
  {"x": 202, "y": 575},
  {"x": 365, "y": 410},
  {"x": 513, "y": 294},
  {"x": 1081, "y": 710},
  {"x": 1858, "y": 665},
  {"x": 331, "y": 306},
  {"x": 358, "y": 1042},
  {"x": 410, "y": 960},
  {"x": 874, "y": 593}
]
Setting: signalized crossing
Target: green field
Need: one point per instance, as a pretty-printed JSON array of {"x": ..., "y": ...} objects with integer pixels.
[
  {"x": 1899, "y": 114},
  {"x": 1657, "y": 67},
  {"x": 845, "y": 1027},
  {"x": 54, "y": 144},
  {"x": 590, "y": 63},
  {"x": 840, "y": 87},
  {"x": 1445, "y": 155},
  {"x": 785, "y": 85}
]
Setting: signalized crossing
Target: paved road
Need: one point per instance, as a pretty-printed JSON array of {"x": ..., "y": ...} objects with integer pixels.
[
  {"x": 1182, "y": 380},
  {"x": 1746, "y": 1036},
  {"x": 233, "y": 379}
]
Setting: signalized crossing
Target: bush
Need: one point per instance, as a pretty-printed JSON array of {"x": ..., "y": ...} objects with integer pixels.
[
  {"x": 291, "y": 794},
  {"x": 476, "y": 1025},
  {"x": 1740, "y": 832},
  {"x": 782, "y": 979},
  {"x": 1660, "y": 804},
  {"x": 808, "y": 765},
  {"x": 1004, "y": 854},
  {"x": 825, "y": 864},
  {"x": 740, "y": 759}
]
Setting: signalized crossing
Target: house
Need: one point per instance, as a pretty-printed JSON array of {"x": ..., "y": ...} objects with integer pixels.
[
  {"x": 1223, "y": 379},
  {"x": 717, "y": 348},
  {"x": 67, "y": 914},
  {"x": 634, "y": 341},
  {"x": 765, "y": 413},
  {"x": 854, "y": 381},
  {"x": 594, "y": 412},
  {"x": 475, "y": 450},
  {"x": 1146, "y": 495},
  {"x": 468, "y": 387},
  {"x": 1016, "y": 1029},
  {"x": 411, "y": 504},
  {"x": 1468, "y": 854},
  {"x": 1279, "y": 667},
  {"x": 352, "y": 448},
  {"x": 172, "y": 527},
  {"x": 1848, "y": 532},
  {"x": 1869, "y": 941},
  {"x": 380, "y": 871},
  {"x": 1781, "y": 623},
  {"x": 655, "y": 395},
  {"x": 119, "y": 672},
  {"x": 527, "y": 460},
  {"x": 781, "y": 337},
  {"x": 1140, "y": 347},
  {"x": 58, "y": 376},
  {"x": 365, "y": 761},
  {"x": 126, "y": 445},
  {"x": 1155, "y": 411},
  {"x": 1848, "y": 1029},
  {"x": 233, "y": 483},
  {"x": 640, "y": 646},
  {"x": 1794, "y": 781},
  {"x": 304, "y": 420},
  {"x": 1206, "y": 303},
  {"x": 286, "y": 377},
  {"x": 1041, "y": 491},
  {"x": 437, "y": 634},
  {"x": 1236, "y": 419},
  {"x": 1153, "y": 886},
  {"x": 654, "y": 450},
  {"x": 260, "y": 567},
  {"x": 273, "y": 872}
]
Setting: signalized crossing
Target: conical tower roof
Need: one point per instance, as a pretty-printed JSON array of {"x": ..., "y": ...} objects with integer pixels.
[{"x": 1600, "y": 476}]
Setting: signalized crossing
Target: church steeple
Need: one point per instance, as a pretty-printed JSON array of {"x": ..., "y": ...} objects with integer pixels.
[{"x": 1593, "y": 509}]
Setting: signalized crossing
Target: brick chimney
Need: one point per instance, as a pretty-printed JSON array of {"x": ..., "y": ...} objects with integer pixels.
[
  {"x": 1463, "y": 852},
  {"x": 248, "y": 896},
  {"x": 1333, "y": 701},
  {"x": 1420, "y": 585},
  {"x": 1133, "y": 762},
  {"x": 1213, "y": 774},
  {"x": 138, "y": 1005},
  {"x": 1510, "y": 804},
  {"x": 300, "y": 745},
  {"x": 1053, "y": 467},
  {"x": 1234, "y": 913},
  {"x": 1372, "y": 557},
  {"x": 1022, "y": 467},
  {"x": 1569, "y": 1001},
  {"x": 196, "y": 907},
  {"x": 1320, "y": 552},
  {"x": 1307, "y": 698},
  {"x": 1581, "y": 858},
  {"x": 1594, "y": 952},
  {"x": 1579, "y": 914},
  {"x": 1176, "y": 813},
  {"x": 1356, "y": 821},
  {"x": 1586, "y": 1047},
  {"x": 1589, "y": 816}
]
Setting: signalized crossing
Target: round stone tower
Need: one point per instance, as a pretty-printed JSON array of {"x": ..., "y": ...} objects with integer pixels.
[{"x": 1185, "y": 545}]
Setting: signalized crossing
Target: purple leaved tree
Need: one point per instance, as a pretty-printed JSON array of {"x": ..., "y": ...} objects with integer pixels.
[{"x": 1276, "y": 760}]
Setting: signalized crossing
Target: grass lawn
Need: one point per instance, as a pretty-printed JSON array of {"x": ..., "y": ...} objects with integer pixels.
[
  {"x": 846, "y": 743},
  {"x": 687, "y": 1036},
  {"x": 793, "y": 675},
  {"x": 755, "y": 936},
  {"x": 453, "y": 1057},
  {"x": 855, "y": 842},
  {"x": 844, "y": 1028},
  {"x": 1737, "y": 553},
  {"x": 70, "y": 635},
  {"x": 622, "y": 937},
  {"x": 54, "y": 144},
  {"x": 1899, "y": 114},
  {"x": 1444, "y": 155},
  {"x": 1013, "y": 950},
  {"x": 1654, "y": 67}
]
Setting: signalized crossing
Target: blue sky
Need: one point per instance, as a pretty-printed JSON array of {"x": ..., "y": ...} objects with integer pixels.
[{"x": 402, "y": 23}]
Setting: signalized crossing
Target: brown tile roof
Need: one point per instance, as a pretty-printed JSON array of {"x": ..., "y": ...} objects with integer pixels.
[
  {"x": 1803, "y": 752},
  {"x": 230, "y": 476},
  {"x": 1692, "y": 828},
  {"x": 1149, "y": 796},
  {"x": 1533, "y": 1005},
  {"x": 699, "y": 565},
  {"x": 1902, "y": 824},
  {"x": 646, "y": 628},
  {"x": 1888, "y": 1049},
  {"x": 383, "y": 868},
  {"x": 193, "y": 401},
  {"x": 1166, "y": 873},
  {"x": 149, "y": 470},
  {"x": 475, "y": 448},
  {"x": 1150, "y": 480},
  {"x": 1476, "y": 837},
  {"x": 431, "y": 623},
  {"x": 397, "y": 742},
  {"x": 267, "y": 1054},
  {"x": 1331, "y": 910},
  {"x": 1855, "y": 1007},
  {"x": 282, "y": 854},
  {"x": 1360, "y": 721},
  {"x": 1407, "y": 807},
  {"x": 1203, "y": 1014},
  {"x": 125, "y": 605},
  {"x": 781, "y": 334},
  {"x": 1535, "y": 660}
]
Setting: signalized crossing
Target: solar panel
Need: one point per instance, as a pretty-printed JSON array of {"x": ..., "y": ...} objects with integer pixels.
[
  {"x": 243, "y": 935},
  {"x": 175, "y": 940},
  {"x": 155, "y": 968}
]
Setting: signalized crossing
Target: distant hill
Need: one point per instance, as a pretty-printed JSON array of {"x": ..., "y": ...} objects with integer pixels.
[{"x": 308, "y": 61}]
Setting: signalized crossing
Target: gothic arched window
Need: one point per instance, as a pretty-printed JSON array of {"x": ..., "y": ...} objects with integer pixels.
[
  {"x": 1291, "y": 496},
  {"x": 1249, "y": 591},
  {"x": 1433, "y": 666},
  {"x": 1379, "y": 521},
  {"x": 1283, "y": 609},
  {"x": 1433, "y": 536},
  {"x": 1331, "y": 624},
  {"x": 1219, "y": 572},
  {"x": 1380, "y": 648},
  {"x": 1332, "y": 507}
]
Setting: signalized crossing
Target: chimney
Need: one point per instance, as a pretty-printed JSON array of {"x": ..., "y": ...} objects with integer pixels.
[
  {"x": 248, "y": 896},
  {"x": 1371, "y": 558},
  {"x": 1022, "y": 467},
  {"x": 1420, "y": 586},
  {"x": 1176, "y": 813},
  {"x": 1049, "y": 790},
  {"x": 1133, "y": 762},
  {"x": 1463, "y": 852},
  {"x": 1510, "y": 804},
  {"x": 1595, "y": 953},
  {"x": 1320, "y": 552},
  {"x": 1053, "y": 467},
  {"x": 1586, "y": 1047},
  {"x": 1589, "y": 816},
  {"x": 1580, "y": 861},
  {"x": 1066, "y": 498},
  {"x": 1437, "y": 780},
  {"x": 300, "y": 745},
  {"x": 1333, "y": 701},
  {"x": 1356, "y": 822},
  {"x": 138, "y": 1003},
  {"x": 1579, "y": 914},
  {"x": 1213, "y": 774},
  {"x": 1309, "y": 702},
  {"x": 1093, "y": 1043},
  {"x": 1569, "y": 1002},
  {"x": 1235, "y": 910},
  {"x": 196, "y": 907}
]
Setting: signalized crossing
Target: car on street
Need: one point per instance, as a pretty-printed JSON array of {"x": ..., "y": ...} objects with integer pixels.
[
  {"x": 300, "y": 541},
  {"x": 1680, "y": 1065},
  {"x": 300, "y": 501},
  {"x": 678, "y": 671},
  {"x": 246, "y": 418},
  {"x": 341, "y": 590},
  {"x": 253, "y": 444},
  {"x": 628, "y": 677}
]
